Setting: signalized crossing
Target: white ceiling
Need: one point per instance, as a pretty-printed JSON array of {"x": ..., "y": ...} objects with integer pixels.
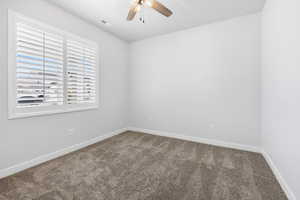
[{"x": 187, "y": 14}]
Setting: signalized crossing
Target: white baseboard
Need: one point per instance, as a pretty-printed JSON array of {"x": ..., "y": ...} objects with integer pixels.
[
  {"x": 41, "y": 159},
  {"x": 279, "y": 177},
  {"x": 198, "y": 139}
]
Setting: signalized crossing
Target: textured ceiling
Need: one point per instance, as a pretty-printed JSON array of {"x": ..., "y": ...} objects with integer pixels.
[{"x": 187, "y": 14}]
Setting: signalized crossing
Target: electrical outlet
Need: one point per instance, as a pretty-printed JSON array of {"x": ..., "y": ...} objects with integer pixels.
[
  {"x": 212, "y": 125},
  {"x": 71, "y": 131}
]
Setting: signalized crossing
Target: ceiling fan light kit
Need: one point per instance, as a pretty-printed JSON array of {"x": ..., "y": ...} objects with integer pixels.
[{"x": 138, "y": 4}]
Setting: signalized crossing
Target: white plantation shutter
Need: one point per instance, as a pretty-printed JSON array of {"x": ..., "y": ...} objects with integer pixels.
[
  {"x": 39, "y": 67},
  {"x": 81, "y": 73},
  {"x": 50, "y": 71}
]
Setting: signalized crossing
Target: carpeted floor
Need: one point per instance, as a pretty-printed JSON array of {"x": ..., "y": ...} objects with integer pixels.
[{"x": 136, "y": 166}]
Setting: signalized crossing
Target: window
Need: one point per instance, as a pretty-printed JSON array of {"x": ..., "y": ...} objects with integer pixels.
[
  {"x": 81, "y": 73},
  {"x": 50, "y": 71},
  {"x": 39, "y": 67}
]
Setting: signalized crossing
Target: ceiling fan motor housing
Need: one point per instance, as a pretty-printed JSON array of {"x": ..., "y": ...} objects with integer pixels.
[{"x": 151, "y": 3}]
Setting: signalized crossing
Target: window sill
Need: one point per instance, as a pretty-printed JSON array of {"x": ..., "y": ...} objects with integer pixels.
[{"x": 12, "y": 116}]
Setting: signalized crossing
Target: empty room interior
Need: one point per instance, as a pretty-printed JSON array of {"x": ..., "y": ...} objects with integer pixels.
[{"x": 149, "y": 100}]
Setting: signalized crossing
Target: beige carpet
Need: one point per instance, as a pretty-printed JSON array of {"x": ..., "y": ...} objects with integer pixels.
[{"x": 136, "y": 166}]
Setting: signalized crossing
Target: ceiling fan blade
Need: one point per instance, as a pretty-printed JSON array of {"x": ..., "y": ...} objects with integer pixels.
[
  {"x": 160, "y": 8},
  {"x": 132, "y": 11}
]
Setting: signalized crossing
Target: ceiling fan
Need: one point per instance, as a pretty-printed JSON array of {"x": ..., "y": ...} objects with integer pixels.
[{"x": 138, "y": 4}]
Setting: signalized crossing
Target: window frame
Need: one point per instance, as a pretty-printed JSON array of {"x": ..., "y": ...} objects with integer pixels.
[{"x": 13, "y": 111}]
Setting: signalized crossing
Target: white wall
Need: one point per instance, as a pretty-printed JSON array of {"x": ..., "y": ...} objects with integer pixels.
[
  {"x": 202, "y": 82},
  {"x": 281, "y": 88},
  {"x": 25, "y": 139}
]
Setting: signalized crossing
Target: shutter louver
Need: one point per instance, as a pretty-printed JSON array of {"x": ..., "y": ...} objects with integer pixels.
[
  {"x": 39, "y": 67},
  {"x": 81, "y": 73}
]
